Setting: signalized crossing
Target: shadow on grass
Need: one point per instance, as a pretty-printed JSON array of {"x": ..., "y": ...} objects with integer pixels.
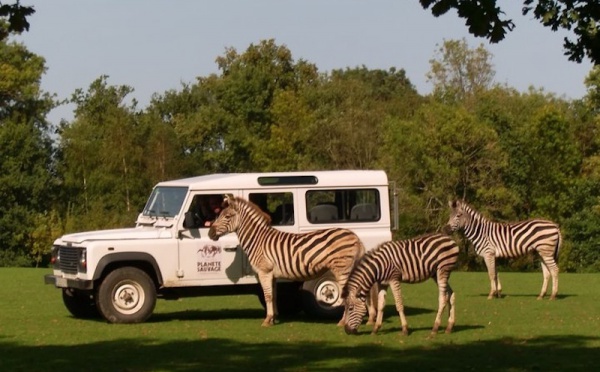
[
  {"x": 389, "y": 311},
  {"x": 147, "y": 354},
  {"x": 208, "y": 315},
  {"x": 532, "y": 295},
  {"x": 398, "y": 329}
]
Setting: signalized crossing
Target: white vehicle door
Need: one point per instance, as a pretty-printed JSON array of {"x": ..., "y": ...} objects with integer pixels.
[{"x": 203, "y": 261}]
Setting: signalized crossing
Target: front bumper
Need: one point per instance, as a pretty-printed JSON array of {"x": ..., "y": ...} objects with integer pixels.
[{"x": 61, "y": 282}]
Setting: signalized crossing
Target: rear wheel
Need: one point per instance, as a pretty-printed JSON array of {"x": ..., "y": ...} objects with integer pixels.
[
  {"x": 320, "y": 296},
  {"x": 80, "y": 304},
  {"x": 126, "y": 295}
]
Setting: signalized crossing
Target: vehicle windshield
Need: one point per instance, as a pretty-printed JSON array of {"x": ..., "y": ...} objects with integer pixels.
[{"x": 165, "y": 201}]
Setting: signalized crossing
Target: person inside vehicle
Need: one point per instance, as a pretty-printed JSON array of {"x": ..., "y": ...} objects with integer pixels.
[{"x": 212, "y": 208}]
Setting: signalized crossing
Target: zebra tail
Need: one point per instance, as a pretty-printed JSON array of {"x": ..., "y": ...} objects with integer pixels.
[{"x": 558, "y": 244}]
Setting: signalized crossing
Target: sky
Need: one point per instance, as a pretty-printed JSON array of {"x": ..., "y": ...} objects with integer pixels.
[{"x": 157, "y": 45}]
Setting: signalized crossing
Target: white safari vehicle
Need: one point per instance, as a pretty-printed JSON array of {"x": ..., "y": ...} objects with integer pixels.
[{"x": 118, "y": 274}]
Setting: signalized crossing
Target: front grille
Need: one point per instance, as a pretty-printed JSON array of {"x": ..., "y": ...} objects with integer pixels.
[{"x": 69, "y": 259}]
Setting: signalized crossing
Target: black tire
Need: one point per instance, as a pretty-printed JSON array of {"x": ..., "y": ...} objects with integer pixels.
[
  {"x": 318, "y": 297},
  {"x": 289, "y": 300},
  {"x": 80, "y": 304},
  {"x": 126, "y": 295}
]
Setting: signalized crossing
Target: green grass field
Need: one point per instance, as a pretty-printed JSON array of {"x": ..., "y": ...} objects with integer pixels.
[{"x": 515, "y": 333}]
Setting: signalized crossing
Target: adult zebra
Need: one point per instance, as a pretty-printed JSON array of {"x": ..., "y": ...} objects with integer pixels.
[
  {"x": 494, "y": 239},
  {"x": 277, "y": 254},
  {"x": 404, "y": 261}
]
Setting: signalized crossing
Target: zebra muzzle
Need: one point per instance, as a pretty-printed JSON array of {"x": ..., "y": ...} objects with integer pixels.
[
  {"x": 349, "y": 330},
  {"x": 212, "y": 234}
]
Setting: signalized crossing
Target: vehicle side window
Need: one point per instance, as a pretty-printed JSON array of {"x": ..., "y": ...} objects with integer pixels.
[
  {"x": 344, "y": 205},
  {"x": 278, "y": 205},
  {"x": 205, "y": 209}
]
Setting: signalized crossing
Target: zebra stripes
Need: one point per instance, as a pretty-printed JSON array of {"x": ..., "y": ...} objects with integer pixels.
[
  {"x": 405, "y": 261},
  {"x": 277, "y": 254},
  {"x": 493, "y": 239}
]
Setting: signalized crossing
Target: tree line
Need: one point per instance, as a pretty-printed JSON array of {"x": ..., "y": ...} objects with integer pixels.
[{"x": 513, "y": 155}]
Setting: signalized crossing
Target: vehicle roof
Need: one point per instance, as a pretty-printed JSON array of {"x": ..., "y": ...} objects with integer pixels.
[{"x": 331, "y": 178}]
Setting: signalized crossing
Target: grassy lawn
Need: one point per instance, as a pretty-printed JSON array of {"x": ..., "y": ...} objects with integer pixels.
[{"x": 515, "y": 333}]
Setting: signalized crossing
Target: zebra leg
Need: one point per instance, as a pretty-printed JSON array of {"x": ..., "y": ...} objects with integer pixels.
[
  {"x": 490, "y": 262},
  {"x": 441, "y": 279},
  {"x": 549, "y": 269},
  {"x": 546, "y": 274},
  {"x": 451, "y": 303},
  {"x": 498, "y": 284},
  {"x": 397, "y": 292},
  {"x": 341, "y": 278},
  {"x": 275, "y": 309},
  {"x": 380, "y": 294},
  {"x": 554, "y": 272},
  {"x": 372, "y": 304},
  {"x": 266, "y": 281}
]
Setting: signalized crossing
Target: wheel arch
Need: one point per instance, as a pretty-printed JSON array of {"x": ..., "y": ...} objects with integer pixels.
[{"x": 141, "y": 260}]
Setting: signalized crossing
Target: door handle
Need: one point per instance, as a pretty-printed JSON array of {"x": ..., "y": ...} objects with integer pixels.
[{"x": 230, "y": 249}]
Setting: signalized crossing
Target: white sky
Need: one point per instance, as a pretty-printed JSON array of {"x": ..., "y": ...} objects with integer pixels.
[{"x": 155, "y": 45}]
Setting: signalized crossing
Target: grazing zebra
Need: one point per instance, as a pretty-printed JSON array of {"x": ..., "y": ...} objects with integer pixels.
[
  {"x": 404, "y": 261},
  {"x": 494, "y": 239},
  {"x": 277, "y": 254}
]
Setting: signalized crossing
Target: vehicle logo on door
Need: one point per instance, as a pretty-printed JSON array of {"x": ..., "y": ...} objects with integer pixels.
[{"x": 209, "y": 258}]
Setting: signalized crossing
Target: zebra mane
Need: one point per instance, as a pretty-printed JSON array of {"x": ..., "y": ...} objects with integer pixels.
[
  {"x": 252, "y": 207},
  {"x": 475, "y": 214}
]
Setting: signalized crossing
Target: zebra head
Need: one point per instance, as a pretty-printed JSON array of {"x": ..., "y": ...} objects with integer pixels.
[
  {"x": 458, "y": 216},
  {"x": 227, "y": 221},
  {"x": 356, "y": 308}
]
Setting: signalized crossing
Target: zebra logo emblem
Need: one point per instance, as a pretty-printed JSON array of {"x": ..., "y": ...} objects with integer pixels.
[{"x": 209, "y": 259}]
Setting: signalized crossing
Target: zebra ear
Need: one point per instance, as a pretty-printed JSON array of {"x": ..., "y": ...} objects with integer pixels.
[
  {"x": 227, "y": 198},
  {"x": 361, "y": 296},
  {"x": 452, "y": 204}
]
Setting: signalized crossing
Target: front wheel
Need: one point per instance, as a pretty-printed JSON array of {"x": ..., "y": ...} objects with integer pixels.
[
  {"x": 126, "y": 295},
  {"x": 80, "y": 304},
  {"x": 322, "y": 298}
]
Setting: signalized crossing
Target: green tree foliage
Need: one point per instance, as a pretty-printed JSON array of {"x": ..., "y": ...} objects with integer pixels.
[
  {"x": 458, "y": 73},
  {"x": 13, "y": 18},
  {"x": 513, "y": 155},
  {"x": 102, "y": 158},
  {"x": 26, "y": 176},
  {"x": 444, "y": 151},
  {"x": 484, "y": 19},
  {"x": 349, "y": 108}
]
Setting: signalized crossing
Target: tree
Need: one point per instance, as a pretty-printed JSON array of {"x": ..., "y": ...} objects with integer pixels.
[
  {"x": 348, "y": 108},
  {"x": 443, "y": 152},
  {"x": 459, "y": 74},
  {"x": 13, "y": 18},
  {"x": 26, "y": 180},
  {"x": 102, "y": 158},
  {"x": 483, "y": 19}
]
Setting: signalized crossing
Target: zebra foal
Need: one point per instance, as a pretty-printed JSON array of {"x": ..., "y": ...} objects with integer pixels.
[
  {"x": 404, "y": 261},
  {"x": 277, "y": 254},
  {"x": 493, "y": 239}
]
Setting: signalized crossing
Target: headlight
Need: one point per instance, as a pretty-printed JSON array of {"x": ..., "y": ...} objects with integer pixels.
[
  {"x": 55, "y": 256},
  {"x": 83, "y": 261}
]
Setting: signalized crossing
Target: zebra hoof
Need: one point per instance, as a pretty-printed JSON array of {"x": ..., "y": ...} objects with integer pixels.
[{"x": 268, "y": 322}]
